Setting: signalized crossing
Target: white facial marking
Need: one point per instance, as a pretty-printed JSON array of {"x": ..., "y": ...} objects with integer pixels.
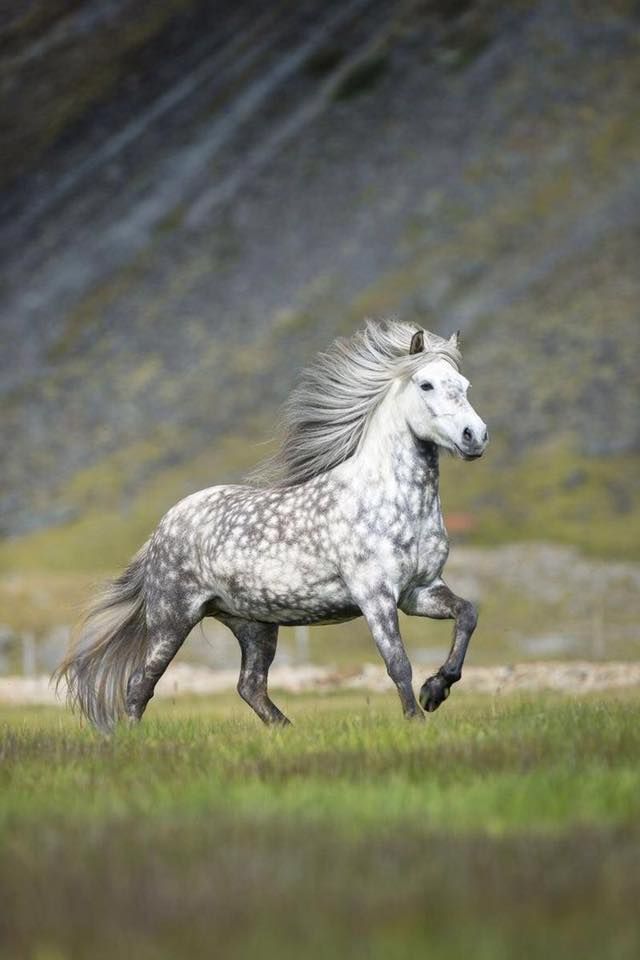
[{"x": 437, "y": 409}]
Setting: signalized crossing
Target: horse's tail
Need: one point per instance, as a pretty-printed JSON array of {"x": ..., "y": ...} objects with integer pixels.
[{"x": 111, "y": 643}]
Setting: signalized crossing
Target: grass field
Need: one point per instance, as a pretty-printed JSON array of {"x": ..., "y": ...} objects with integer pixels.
[{"x": 501, "y": 828}]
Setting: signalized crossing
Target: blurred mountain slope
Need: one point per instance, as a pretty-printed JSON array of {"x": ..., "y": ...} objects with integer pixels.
[{"x": 195, "y": 199}]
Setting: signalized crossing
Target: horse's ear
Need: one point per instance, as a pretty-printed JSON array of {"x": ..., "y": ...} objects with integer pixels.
[
  {"x": 456, "y": 340},
  {"x": 417, "y": 342}
]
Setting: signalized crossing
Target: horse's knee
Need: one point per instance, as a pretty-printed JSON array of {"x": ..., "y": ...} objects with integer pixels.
[{"x": 467, "y": 616}]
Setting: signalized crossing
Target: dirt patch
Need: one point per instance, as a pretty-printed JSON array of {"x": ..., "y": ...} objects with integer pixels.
[{"x": 182, "y": 679}]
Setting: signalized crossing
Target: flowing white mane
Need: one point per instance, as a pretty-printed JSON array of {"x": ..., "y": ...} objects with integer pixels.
[{"x": 328, "y": 411}]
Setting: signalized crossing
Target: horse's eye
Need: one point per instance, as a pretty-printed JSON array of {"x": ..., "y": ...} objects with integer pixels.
[{"x": 426, "y": 385}]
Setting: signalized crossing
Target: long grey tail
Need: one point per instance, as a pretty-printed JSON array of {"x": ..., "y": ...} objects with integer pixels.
[{"x": 111, "y": 644}]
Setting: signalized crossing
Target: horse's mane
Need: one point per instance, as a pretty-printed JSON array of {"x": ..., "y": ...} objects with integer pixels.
[{"x": 328, "y": 410}]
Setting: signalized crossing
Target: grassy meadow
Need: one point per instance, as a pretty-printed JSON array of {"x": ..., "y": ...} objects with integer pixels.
[
  {"x": 451, "y": 164},
  {"x": 501, "y": 827}
]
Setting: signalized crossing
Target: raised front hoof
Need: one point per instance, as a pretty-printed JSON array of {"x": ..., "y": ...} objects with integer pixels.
[{"x": 434, "y": 691}]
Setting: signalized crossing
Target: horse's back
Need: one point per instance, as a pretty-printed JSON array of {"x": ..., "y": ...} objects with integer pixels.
[{"x": 253, "y": 552}]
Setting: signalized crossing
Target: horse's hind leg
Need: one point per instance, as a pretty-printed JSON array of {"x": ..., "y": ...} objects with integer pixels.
[
  {"x": 166, "y": 640},
  {"x": 258, "y": 643}
]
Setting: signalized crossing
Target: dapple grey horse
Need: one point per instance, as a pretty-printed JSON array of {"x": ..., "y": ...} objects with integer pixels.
[{"x": 344, "y": 521}]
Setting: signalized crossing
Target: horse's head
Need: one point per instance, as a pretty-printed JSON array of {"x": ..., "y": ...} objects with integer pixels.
[{"x": 437, "y": 407}]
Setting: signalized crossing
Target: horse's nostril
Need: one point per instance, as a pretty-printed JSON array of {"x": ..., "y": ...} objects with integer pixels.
[
  {"x": 485, "y": 436},
  {"x": 467, "y": 435}
]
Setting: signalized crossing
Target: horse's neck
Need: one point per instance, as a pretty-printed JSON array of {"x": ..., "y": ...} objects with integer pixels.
[{"x": 394, "y": 461}]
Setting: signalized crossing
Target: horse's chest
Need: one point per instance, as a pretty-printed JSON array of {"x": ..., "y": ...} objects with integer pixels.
[
  {"x": 431, "y": 554},
  {"x": 427, "y": 553},
  {"x": 398, "y": 540}
]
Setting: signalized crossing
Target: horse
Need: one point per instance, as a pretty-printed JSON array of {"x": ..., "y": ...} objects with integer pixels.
[{"x": 343, "y": 521}]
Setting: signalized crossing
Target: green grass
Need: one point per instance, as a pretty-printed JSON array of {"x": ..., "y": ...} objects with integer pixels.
[{"x": 501, "y": 827}]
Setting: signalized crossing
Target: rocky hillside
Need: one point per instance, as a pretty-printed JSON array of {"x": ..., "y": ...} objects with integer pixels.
[{"x": 197, "y": 196}]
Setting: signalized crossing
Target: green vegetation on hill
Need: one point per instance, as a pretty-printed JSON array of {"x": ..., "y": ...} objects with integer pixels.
[
  {"x": 550, "y": 493},
  {"x": 472, "y": 164}
]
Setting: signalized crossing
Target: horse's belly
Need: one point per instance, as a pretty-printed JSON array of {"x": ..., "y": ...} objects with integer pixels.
[
  {"x": 275, "y": 589},
  {"x": 310, "y": 615}
]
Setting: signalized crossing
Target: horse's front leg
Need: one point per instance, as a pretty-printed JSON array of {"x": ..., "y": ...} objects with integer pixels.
[
  {"x": 440, "y": 603},
  {"x": 381, "y": 613}
]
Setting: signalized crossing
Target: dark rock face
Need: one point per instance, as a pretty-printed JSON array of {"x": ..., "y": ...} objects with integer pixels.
[{"x": 195, "y": 196}]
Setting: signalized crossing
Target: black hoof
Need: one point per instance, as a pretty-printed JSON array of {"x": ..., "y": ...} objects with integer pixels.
[{"x": 434, "y": 691}]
